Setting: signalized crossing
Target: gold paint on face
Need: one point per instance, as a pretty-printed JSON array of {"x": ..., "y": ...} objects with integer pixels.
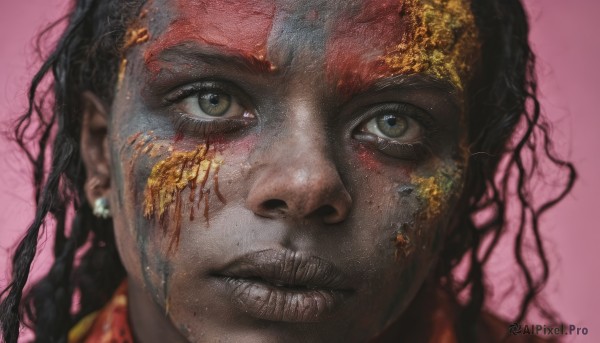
[
  {"x": 169, "y": 177},
  {"x": 136, "y": 34},
  {"x": 442, "y": 43},
  {"x": 436, "y": 190}
]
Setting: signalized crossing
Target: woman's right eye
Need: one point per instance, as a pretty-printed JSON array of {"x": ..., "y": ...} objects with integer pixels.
[{"x": 211, "y": 104}]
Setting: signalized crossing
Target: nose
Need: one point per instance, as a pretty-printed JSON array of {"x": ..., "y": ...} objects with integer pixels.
[{"x": 298, "y": 179}]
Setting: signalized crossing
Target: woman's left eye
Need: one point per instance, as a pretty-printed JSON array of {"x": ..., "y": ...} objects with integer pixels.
[
  {"x": 393, "y": 130},
  {"x": 210, "y": 104},
  {"x": 395, "y": 127}
]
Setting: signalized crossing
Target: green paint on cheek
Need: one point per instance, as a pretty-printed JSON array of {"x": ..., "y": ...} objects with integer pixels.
[{"x": 436, "y": 190}]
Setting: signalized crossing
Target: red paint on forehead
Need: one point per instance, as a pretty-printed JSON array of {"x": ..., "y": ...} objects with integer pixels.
[
  {"x": 239, "y": 27},
  {"x": 359, "y": 41}
]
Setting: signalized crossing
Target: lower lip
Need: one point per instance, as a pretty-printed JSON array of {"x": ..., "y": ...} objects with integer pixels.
[{"x": 269, "y": 302}]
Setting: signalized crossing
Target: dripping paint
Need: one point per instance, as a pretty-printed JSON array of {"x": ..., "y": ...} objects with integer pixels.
[{"x": 163, "y": 197}]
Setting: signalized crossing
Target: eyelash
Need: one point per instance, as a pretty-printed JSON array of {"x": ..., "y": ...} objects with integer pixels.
[
  {"x": 407, "y": 151},
  {"x": 184, "y": 122}
]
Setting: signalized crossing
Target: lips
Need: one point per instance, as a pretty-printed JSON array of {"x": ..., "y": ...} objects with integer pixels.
[{"x": 282, "y": 285}]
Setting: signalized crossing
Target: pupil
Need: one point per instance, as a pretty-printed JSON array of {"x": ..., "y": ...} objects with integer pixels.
[
  {"x": 214, "y": 104},
  {"x": 214, "y": 99},
  {"x": 392, "y": 125}
]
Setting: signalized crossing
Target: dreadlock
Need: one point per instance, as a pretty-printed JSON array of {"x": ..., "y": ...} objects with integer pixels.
[
  {"x": 507, "y": 136},
  {"x": 85, "y": 58}
]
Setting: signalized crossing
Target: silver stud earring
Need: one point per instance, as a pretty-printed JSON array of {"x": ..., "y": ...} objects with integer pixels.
[{"x": 101, "y": 209}]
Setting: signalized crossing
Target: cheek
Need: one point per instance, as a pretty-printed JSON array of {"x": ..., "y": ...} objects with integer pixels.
[
  {"x": 390, "y": 210},
  {"x": 181, "y": 180},
  {"x": 410, "y": 208},
  {"x": 142, "y": 250}
]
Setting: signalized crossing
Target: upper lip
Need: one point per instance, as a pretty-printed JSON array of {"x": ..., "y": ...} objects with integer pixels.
[{"x": 286, "y": 268}]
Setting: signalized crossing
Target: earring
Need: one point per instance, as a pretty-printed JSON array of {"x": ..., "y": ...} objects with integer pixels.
[{"x": 101, "y": 209}]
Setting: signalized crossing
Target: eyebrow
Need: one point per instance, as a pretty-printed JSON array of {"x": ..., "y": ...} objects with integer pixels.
[
  {"x": 418, "y": 82},
  {"x": 214, "y": 55},
  {"x": 194, "y": 53}
]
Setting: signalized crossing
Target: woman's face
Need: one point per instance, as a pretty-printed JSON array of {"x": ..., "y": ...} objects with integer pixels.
[{"x": 284, "y": 171}]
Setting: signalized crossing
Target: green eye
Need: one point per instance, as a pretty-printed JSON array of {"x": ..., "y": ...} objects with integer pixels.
[
  {"x": 391, "y": 125},
  {"x": 393, "y": 122},
  {"x": 214, "y": 104}
]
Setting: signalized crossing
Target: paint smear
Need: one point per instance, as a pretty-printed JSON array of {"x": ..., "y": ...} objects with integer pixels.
[
  {"x": 239, "y": 27},
  {"x": 436, "y": 190},
  {"x": 395, "y": 37},
  {"x": 163, "y": 198},
  {"x": 442, "y": 41},
  {"x": 136, "y": 34},
  {"x": 358, "y": 40},
  {"x": 404, "y": 246}
]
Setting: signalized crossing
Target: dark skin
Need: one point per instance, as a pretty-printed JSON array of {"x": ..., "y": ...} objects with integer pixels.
[{"x": 313, "y": 164}]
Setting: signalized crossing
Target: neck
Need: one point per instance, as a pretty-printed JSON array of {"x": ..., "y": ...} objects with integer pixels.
[
  {"x": 429, "y": 318},
  {"x": 149, "y": 323}
]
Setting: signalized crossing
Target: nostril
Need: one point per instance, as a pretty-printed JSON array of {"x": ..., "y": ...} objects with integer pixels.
[
  {"x": 275, "y": 205},
  {"x": 325, "y": 211}
]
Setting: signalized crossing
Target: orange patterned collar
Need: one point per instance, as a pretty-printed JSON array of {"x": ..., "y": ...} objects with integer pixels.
[{"x": 108, "y": 325}]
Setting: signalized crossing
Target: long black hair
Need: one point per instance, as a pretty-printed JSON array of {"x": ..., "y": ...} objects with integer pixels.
[{"x": 507, "y": 137}]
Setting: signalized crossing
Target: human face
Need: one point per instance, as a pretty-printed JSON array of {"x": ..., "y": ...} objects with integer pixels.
[{"x": 284, "y": 171}]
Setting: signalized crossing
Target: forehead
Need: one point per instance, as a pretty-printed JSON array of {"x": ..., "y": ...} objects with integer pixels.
[{"x": 351, "y": 43}]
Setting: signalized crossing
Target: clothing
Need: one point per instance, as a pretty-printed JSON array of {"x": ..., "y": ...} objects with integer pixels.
[{"x": 108, "y": 325}]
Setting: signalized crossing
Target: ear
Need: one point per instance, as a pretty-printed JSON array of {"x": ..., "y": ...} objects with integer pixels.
[{"x": 94, "y": 147}]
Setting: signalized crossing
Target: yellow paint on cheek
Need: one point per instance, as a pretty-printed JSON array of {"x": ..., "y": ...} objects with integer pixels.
[
  {"x": 442, "y": 41},
  {"x": 170, "y": 177},
  {"x": 436, "y": 190}
]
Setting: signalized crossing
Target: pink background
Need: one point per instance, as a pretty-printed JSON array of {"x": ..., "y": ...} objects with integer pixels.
[{"x": 564, "y": 35}]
